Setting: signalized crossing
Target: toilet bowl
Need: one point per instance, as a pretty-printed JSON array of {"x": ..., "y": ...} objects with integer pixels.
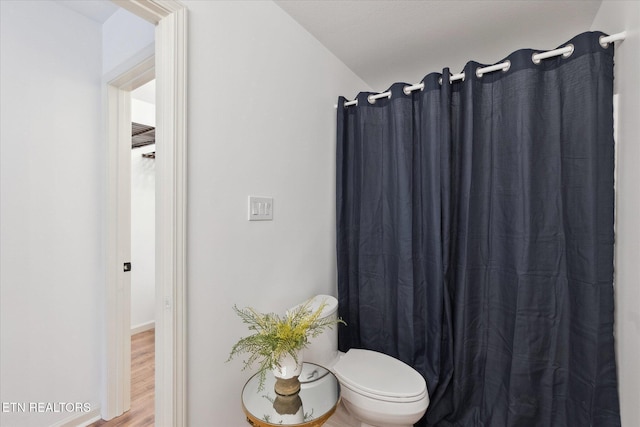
[
  {"x": 377, "y": 390},
  {"x": 380, "y": 390}
]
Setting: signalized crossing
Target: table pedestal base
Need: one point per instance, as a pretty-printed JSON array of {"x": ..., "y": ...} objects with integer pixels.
[{"x": 287, "y": 387}]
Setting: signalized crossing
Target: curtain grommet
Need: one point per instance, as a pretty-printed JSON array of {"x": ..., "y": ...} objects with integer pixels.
[
  {"x": 605, "y": 45},
  {"x": 568, "y": 54},
  {"x": 507, "y": 66},
  {"x": 534, "y": 59},
  {"x": 405, "y": 91},
  {"x": 479, "y": 73},
  {"x": 371, "y": 99}
]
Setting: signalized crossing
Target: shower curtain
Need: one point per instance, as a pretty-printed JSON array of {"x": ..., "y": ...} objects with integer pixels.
[{"x": 475, "y": 238}]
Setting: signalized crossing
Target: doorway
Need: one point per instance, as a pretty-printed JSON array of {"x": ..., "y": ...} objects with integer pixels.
[
  {"x": 118, "y": 377},
  {"x": 169, "y": 67}
]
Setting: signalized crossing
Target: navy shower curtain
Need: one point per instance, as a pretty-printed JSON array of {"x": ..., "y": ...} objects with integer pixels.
[{"x": 475, "y": 238}]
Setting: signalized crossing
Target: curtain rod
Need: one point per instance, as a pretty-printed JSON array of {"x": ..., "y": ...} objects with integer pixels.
[{"x": 565, "y": 51}]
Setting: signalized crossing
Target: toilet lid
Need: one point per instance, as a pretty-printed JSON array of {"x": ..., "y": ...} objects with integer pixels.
[{"x": 380, "y": 376}]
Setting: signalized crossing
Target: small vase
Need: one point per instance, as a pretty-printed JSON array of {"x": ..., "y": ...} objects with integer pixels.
[{"x": 286, "y": 374}]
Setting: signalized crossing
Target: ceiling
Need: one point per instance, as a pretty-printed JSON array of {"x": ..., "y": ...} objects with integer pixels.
[{"x": 388, "y": 41}]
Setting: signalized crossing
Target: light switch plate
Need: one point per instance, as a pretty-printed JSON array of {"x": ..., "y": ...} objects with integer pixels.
[{"x": 260, "y": 208}]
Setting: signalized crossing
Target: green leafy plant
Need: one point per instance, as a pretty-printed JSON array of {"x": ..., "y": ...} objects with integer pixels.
[{"x": 275, "y": 336}]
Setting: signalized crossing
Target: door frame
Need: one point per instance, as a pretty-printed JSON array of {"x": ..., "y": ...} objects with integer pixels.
[{"x": 170, "y": 68}]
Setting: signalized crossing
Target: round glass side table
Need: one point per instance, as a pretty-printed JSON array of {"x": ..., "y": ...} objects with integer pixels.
[{"x": 312, "y": 406}]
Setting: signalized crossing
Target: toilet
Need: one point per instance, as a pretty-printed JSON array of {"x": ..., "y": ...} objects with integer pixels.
[{"x": 377, "y": 390}]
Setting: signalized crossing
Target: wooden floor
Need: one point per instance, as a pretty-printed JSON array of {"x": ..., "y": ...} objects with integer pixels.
[{"x": 141, "y": 413}]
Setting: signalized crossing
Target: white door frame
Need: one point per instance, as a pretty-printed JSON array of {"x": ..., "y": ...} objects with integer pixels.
[{"x": 170, "y": 18}]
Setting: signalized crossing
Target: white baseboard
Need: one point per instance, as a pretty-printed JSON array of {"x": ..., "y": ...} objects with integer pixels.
[
  {"x": 80, "y": 419},
  {"x": 143, "y": 327}
]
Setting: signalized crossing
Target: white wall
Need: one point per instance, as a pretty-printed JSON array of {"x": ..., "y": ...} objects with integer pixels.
[
  {"x": 261, "y": 122},
  {"x": 51, "y": 208},
  {"x": 143, "y": 112},
  {"x": 143, "y": 236},
  {"x": 613, "y": 17},
  {"x": 143, "y": 182}
]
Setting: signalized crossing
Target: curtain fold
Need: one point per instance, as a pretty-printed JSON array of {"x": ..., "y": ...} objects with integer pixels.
[{"x": 475, "y": 238}]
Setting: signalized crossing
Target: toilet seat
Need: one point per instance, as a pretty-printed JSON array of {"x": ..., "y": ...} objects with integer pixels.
[{"x": 379, "y": 376}]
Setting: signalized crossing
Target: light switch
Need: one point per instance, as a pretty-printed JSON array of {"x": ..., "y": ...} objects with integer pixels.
[{"x": 260, "y": 208}]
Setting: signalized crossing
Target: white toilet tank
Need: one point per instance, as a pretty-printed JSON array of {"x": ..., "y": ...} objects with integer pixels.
[{"x": 323, "y": 349}]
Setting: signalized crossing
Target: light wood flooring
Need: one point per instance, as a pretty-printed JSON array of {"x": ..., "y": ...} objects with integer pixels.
[{"x": 141, "y": 413}]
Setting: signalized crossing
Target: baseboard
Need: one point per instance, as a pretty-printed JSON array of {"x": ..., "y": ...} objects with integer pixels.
[
  {"x": 80, "y": 420},
  {"x": 143, "y": 327}
]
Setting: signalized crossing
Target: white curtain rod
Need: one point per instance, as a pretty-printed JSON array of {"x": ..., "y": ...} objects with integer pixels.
[{"x": 565, "y": 51}]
